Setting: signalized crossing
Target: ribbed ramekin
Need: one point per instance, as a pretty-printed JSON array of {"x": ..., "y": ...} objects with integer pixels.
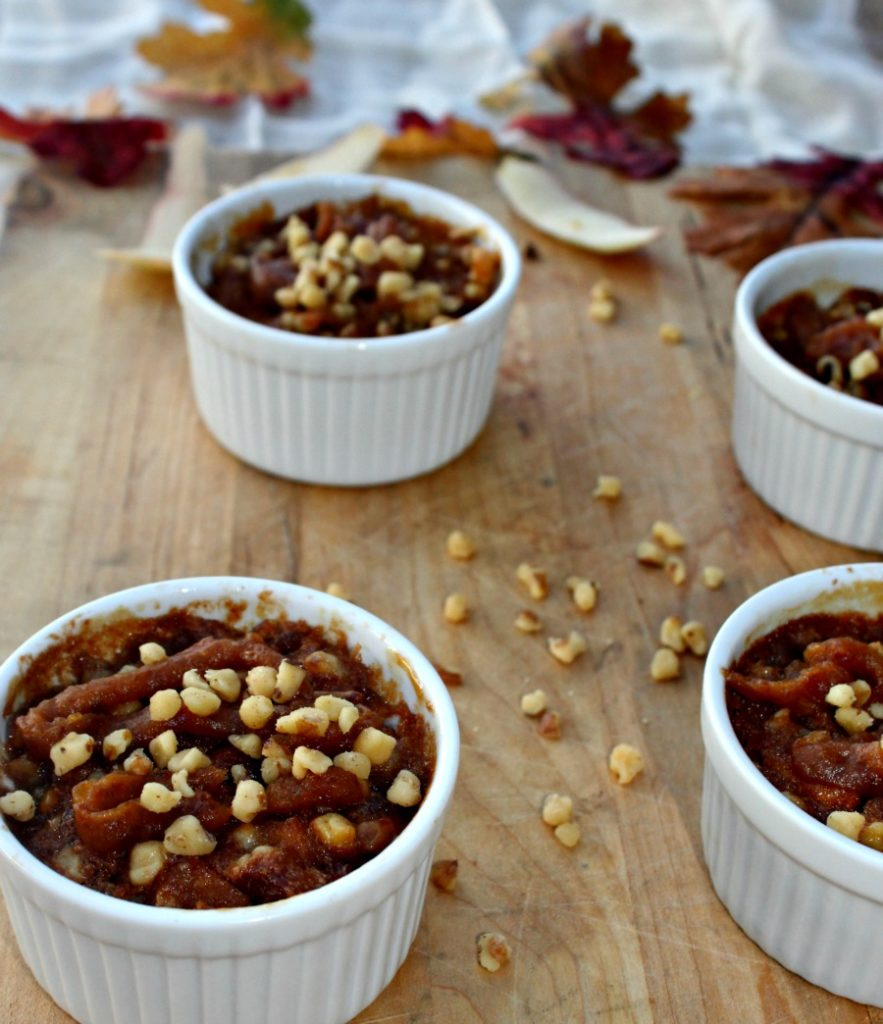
[
  {"x": 319, "y": 957},
  {"x": 812, "y": 453},
  {"x": 808, "y": 896},
  {"x": 332, "y": 410}
]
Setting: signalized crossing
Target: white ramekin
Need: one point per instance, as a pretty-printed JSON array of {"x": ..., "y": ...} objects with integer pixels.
[
  {"x": 331, "y": 410},
  {"x": 815, "y": 455},
  {"x": 808, "y": 896},
  {"x": 319, "y": 957}
]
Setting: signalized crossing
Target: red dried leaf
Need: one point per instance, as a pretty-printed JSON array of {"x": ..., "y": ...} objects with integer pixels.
[
  {"x": 590, "y": 73},
  {"x": 103, "y": 151},
  {"x": 420, "y": 138},
  {"x": 752, "y": 212}
]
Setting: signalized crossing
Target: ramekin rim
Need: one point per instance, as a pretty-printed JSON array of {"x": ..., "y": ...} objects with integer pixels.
[
  {"x": 748, "y": 334},
  {"x": 190, "y": 291},
  {"x": 363, "y": 879},
  {"x": 725, "y": 751}
]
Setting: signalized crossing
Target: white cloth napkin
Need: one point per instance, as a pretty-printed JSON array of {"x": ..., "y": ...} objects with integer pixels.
[{"x": 766, "y": 77}]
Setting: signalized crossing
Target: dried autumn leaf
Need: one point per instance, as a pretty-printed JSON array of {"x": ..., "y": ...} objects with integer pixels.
[
  {"x": 589, "y": 73},
  {"x": 752, "y": 212},
  {"x": 536, "y": 195},
  {"x": 422, "y": 139},
  {"x": 250, "y": 56},
  {"x": 101, "y": 150}
]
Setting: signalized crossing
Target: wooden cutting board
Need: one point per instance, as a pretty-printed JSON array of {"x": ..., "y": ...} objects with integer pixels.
[{"x": 110, "y": 479}]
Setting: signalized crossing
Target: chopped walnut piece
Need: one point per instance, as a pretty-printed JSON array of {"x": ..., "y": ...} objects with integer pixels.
[
  {"x": 568, "y": 834},
  {"x": 249, "y": 800},
  {"x": 405, "y": 789},
  {"x": 875, "y": 317},
  {"x": 152, "y": 653},
  {"x": 584, "y": 592},
  {"x": 665, "y": 665},
  {"x": 311, "y": 722},
  {"x": 534, "y": 580},
  {"x": 549, "y": 725},
  {"x": 667, "y": 534},
  {"x": 18, "y": 805},
  {"x": 650, "y": 553},
  {"x": 670, "y": 634},
  {"x": 187, "y": 838},
  {"x": 847, "y": 823},
  {"x": 607, "y": 488},
  {"x": 853, "y": 721},
  {"x": 557, "y": 809},
  {"x": 305, "y": 759},
  {"x": 261, "y": 680},
  {"x": 146, "y": 860},
  {"x": 567, "y": 650},
  {"x": 534, "y": 703},
  {"x": 670, "y": 334},
  {"x": 201, "y": 703},
  {"x": 527, "y": 621},
  {"x": 602, "y": 311},
  {"x": 116, "y": 743},
  {"x": 695, "y": 637},
  {"x": 255, "y": 711},
  {"x": 138, "y": 763},
  {"x": 872, "y": 835},
  {"x": 626, "y": 763},
  {"x": 494, "y": 951},
  {"x": 164, "y": 704},
  {"x": 443, "y": 875},
  {"x": 71, "y": 751},
  {"x": 713, "y": 577},
  {"x": 456, "y": 609},
  {"x": 163, "y": 747},
  {"x": 862, "y": 690},
  {"x": 876, "y": 710},
  {"x": 157, "y": 799},
  {"x": 601, "y": 289},
  {"x": 376, "y": 745},
  {"x": 334, "y": 830},
  {"x": 460, "y": 546},
  {"x": 676, "y": 569},
  {"x": 449, "y": 676},
  {"x": 336, "y": 589},
  {"x": 225, "y": 682},
  {"x": 841, "y": 695},
  {"x": 864, "y": 364},
  {"x": 288, "y": 681}
]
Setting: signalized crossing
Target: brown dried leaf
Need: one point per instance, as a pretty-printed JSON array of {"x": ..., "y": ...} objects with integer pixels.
[
  {"x": 422, "y": 139},
  {"x": 250, "y": 56}
]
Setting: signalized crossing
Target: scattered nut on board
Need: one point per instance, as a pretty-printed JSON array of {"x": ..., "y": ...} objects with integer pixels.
[
  {"x": 626, "y": 763},
  {"x": 461, "y": 546},
  {"x": 456, "y": 608},
  {"x": 549, "y": 725},
  {"x": 668, "y": 534},
  {"x": 534, "y": 580},
  {"x": 527, "y": 621},
  {"x": 584, "y": 592},
  {"x": 493, "y": 951},
  {"x": 665, "y": 665},
  {"x": 443, "y": 875},
  {"x": 534, "y": 703},
  {"x": 713, "y": 577},
  {"x": 336, "y": 589},
  {"x": 670, "y": 334},
  {"x": 567, "y": 649},
  {"x": 607, "y": 487}
]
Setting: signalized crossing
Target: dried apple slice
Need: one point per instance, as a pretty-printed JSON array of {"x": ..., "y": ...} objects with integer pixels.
[
  {"x": 354, "y": 152},
  {"x": 185, "y": 192},
  {"x": 537, "y": 197}
]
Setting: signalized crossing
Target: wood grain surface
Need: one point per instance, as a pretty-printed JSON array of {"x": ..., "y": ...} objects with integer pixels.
[{"x": 109, "y": 479}]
